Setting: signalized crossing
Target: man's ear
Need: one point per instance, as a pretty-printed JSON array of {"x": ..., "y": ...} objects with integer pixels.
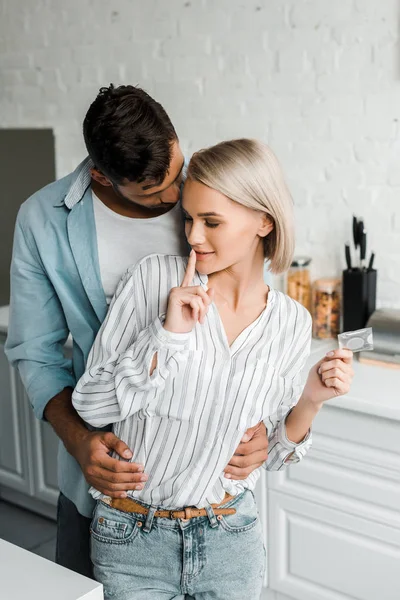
[
  {"x": 267, "y": 225},
  {"x": 99, "y": 177}
]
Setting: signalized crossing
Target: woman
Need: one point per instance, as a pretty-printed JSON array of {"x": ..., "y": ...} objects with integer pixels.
[{"x": 192, "y": 353}]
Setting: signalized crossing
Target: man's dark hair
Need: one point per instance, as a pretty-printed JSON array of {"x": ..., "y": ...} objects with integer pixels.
[{"x": 128, "y": 135}]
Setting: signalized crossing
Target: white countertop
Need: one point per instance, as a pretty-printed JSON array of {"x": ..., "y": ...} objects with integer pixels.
[
  {"x": 375, "y": 390},
  {"x": 26, "y": 576}
]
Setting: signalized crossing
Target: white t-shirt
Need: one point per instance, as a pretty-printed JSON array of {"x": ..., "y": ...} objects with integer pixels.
[{"x": 124, "y": 241}]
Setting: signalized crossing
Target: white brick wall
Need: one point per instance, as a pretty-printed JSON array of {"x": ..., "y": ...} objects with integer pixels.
[{"x": 318, "y": 80}]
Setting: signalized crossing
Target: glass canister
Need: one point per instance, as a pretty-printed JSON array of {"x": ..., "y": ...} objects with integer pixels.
[
  {"x": 298, "y": 281},
  {"x": 326, "y": 308}
]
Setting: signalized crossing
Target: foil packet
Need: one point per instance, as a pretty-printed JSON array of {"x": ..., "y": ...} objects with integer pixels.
[{"x": 357, "y": 341}]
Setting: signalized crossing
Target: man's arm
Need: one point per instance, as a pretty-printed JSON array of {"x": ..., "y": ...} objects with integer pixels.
[
  {"x": 91, "y": 449},
  {"x": 36, "y": 336}
]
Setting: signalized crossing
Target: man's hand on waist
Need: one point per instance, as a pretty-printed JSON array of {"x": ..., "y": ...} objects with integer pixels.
[
  {"x": 92, "y": 450},
  {"x": 108, "y": 475},
  {"x": 251, "y": 453}
]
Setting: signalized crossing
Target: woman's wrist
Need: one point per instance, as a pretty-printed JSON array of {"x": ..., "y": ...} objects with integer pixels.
[
  {"x": 310, "y": 403},
  {"x": 300, "y": 419}
]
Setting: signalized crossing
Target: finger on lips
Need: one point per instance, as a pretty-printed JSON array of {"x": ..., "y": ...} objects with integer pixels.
[{"x": 190, "y": 270}]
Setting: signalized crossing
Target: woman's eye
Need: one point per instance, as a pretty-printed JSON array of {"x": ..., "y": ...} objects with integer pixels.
[{"x": 207, "y": 223}]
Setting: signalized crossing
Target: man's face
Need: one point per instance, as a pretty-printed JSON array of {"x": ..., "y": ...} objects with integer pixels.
[{"x": 148, "y": 195}]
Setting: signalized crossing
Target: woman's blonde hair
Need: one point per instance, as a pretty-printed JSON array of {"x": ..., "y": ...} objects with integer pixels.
[{"x": 249, "y": 173}]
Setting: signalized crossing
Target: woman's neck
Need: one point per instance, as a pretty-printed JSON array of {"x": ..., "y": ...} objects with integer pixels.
[{"x": 240, "y": 286}]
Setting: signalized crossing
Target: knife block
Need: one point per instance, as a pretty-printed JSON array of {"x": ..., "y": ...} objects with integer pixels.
[{"x": 359, "y": 297}]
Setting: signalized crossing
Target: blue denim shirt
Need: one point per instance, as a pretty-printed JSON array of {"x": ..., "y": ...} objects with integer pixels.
[{"x": 56, "y": 290}]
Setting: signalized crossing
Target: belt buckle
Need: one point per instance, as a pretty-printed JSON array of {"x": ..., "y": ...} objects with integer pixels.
[{"x": 174, "y": 513}]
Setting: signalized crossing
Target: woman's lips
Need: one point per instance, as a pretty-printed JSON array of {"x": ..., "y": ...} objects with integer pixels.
[{"x": 203, "y": 255}]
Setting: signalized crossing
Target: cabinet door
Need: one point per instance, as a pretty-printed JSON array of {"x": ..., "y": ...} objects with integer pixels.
[
  {"x": 15, "y": 440},
  {"x": 321, "y": 553},
  {"x": 45, "y": 450}
]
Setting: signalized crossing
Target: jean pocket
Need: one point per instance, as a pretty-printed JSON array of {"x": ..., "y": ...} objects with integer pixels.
[
  {"x": 246, "y": 516},
  {"x": 112, "y": 526}
]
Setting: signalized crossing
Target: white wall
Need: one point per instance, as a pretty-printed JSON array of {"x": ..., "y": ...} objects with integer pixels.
[{"x": 317, "y": 79}]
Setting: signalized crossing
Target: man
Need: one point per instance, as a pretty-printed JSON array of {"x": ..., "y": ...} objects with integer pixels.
[{"x": 73, "y": 241}]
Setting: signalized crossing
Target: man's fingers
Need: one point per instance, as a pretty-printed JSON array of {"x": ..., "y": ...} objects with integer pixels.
[
  {"x": 118, "y": 466},
  {"x": 249, "y": 434},
  {"x": 112, "y": 490},
  {"x": 125, "y": 480},
  {"x": 190, "y": 270},
  {"x": 256, "y": 444},
  {"x": 245, "y": 462},
  {"x": 114, "y": 443},
  {"x": 240, "y": 474}
]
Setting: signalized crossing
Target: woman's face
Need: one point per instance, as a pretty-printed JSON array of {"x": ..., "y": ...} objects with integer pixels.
[{"x": 222, "y": 232}]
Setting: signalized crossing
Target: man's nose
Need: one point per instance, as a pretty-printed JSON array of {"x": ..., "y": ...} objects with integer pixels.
[{"x": 171, "y": 195}]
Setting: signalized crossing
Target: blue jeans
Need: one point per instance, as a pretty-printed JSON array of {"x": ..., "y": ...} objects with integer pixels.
[{"x": 148, "y": 558}]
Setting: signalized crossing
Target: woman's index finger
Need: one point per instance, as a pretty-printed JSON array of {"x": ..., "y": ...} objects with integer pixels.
[{"x": 190, "y": 270}]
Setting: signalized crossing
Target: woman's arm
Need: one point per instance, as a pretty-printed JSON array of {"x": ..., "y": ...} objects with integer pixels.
[
  {"x": 125, "y": 363},
  {"x": 329, "y": 378},
  {"x": 290, "y": 434}
]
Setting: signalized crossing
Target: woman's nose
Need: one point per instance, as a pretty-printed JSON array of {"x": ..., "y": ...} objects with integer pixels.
[{"x": 194, "y": 233}]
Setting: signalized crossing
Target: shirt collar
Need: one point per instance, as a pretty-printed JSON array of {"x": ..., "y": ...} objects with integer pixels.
[{"x": 81, "y": 179}]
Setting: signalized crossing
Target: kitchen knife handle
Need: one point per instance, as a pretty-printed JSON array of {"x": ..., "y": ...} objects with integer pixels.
[
  {"x": 355, "y": 232},
  {"x": 363, "y": 248}
]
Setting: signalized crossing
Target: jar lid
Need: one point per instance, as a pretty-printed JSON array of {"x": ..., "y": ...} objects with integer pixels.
[
  {"x": 327, "y": 284},
  {"x": 301, "y": 261}
]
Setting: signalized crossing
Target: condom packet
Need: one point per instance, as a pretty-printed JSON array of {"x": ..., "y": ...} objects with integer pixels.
[{"x": 357, "y": 341}]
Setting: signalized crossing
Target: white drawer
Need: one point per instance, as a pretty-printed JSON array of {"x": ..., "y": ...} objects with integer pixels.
[
  {"x": 354, "y": 464},
  {"x": 320, "y": 553}
]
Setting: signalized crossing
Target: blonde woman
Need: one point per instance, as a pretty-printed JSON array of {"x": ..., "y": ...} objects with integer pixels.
[{"x": 192, "y": 353}]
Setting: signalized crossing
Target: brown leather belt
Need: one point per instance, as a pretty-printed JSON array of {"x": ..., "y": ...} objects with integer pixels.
[{"x": 129, "y": 505}]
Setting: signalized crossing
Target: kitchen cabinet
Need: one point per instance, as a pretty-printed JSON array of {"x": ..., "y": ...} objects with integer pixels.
[
  {"x": 28, "y": 448},
  {"x": 15, "y": 471},
  {"x": 333, "y": 521}
]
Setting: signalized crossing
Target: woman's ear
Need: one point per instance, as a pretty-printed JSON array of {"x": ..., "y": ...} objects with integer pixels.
[
  {"x": 99, "y": 177},
  {"x": 267, "y": 225}
]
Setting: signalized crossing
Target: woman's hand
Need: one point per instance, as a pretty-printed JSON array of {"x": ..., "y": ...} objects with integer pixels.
[
  {"x": 330, "y": 377},
  {"x": 187, "y": 304}
]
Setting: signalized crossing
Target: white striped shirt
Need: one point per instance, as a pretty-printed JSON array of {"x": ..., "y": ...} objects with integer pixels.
[{"x": 185, "y": 421}]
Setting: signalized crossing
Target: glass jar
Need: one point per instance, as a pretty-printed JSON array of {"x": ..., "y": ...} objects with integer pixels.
[
  {"x": 326, "y": 308},
  {"x": 298, "y": 281}
]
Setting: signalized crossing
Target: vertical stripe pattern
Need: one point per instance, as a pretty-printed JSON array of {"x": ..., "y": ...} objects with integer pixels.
[{"x": 185, "y": 420}]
